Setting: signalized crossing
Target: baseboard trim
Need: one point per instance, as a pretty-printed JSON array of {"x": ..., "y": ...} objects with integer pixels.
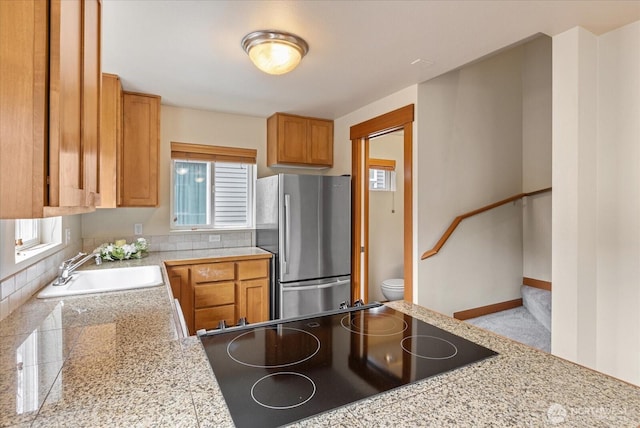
[
  {"x": 486, "y": 310},
  {"x": 537, "y": 283}
]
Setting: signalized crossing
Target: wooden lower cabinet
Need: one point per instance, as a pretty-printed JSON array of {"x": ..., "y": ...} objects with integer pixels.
[
  {"x": 214, "y": 294},
  {"x": 253, "y": 300},
  {"x": 212, "y": 291},
  {"x": 179, "y": 278},
  {"x": 209, "y": 318}
]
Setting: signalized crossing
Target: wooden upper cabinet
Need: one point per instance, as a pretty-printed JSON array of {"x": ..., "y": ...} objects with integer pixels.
[
  {"x": 23, "y": 107},
  {"x": 110, "y": 139},
  {"x": 320, "y": 145},
  {"x": 50, "y": 59},
  {"x": 129, "y": 146},
  {"x": 299, "y": 141},
  {"x": 91, "y": 82},
  {"x": 139, "y": 150},
  {"x": 74, "y": 104}
]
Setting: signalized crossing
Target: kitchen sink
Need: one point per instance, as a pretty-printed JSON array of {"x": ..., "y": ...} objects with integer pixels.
[{"x": 105, "y": 280}]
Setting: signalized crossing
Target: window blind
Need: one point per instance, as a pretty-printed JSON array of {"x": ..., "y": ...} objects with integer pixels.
[{"x": 230, "y": 192}]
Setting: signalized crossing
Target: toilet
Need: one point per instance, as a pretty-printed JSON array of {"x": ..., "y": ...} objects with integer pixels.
[{"x": 393, "y": 289}]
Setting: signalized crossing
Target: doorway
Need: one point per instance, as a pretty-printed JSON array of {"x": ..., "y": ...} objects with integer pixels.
[
  {"x": 400, "y": 120},
  {"x": 385, "y": 217}
]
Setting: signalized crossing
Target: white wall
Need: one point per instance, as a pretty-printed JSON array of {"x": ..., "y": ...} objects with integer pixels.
[
  {"x": 386, "y": 219},
  {"x": 596, "y": 200},
  {"x": 536, "y": 158},
  {"x": 199, "y": 127},
  {"x": 470, "y": 127},
  {"x": 186, "y": 126},
  {"x": 19, "y": 281}
]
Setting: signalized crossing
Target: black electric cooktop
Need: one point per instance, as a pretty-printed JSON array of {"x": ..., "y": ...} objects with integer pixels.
[{"x": 276, "y": 373}]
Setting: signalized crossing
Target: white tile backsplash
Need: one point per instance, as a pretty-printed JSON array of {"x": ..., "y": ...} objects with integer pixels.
[
  {"x": 18, "y": 288},
  {"x": 7, "y": 287},
  {"x": 183, "y": 241}
]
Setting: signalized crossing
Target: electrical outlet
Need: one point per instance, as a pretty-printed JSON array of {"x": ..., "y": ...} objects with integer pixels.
[
  {"x": 137, "y": 229},
  {"x": 214, "y": 238},
  {"x": 67, "y": 236}
]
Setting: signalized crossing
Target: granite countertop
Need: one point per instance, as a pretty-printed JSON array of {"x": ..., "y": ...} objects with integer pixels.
[{"x": 116, "y": 359}]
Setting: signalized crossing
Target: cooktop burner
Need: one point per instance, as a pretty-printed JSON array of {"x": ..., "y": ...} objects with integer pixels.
[
  {"x": 370, "y": 324},
  {"x": 243, "y": 348},
  {"x": 276, "y": 373}
]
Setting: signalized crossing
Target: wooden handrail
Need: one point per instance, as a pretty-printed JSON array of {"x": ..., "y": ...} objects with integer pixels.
[{"x": 458, "y": 220}]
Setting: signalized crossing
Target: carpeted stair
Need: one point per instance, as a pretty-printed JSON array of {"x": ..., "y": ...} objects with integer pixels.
[{"x": 529, "y": 324}]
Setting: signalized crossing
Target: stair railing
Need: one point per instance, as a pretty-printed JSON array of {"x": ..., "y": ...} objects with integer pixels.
[{"x": 458, "y": 220}]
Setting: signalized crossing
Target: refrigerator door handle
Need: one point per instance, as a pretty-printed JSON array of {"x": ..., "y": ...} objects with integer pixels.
[
  {"x": 287, "y": 231},
  {"x": 316, "y": 287}
]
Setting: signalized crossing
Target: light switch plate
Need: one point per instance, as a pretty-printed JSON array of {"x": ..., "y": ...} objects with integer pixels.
[
  {"x": 214, "y": 238},
  {"x": 137, "y": 229},
  {"x": 67, "y": 236}
]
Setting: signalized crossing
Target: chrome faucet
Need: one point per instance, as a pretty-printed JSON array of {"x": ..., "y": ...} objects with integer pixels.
[{"x": 66, "y": 268}]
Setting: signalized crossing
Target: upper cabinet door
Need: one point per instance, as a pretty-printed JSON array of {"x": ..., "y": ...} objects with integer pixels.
[
  {"x": 110, "y": 139},
  {"x": 74, "y": 105},
  {"x": 140, "y": 149},
  {"x": 91, "y": 80},
  {"x": 320, "y": 142},
  {"x": 23, "y": 107},
  {"x": 65, "y": 104},
  {"x": 292, "y": 137}
]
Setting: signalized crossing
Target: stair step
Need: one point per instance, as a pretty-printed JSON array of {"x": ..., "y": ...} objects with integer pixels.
[
  {"x": 538, "y": 303},
  {"x": 517, "y": 324}
]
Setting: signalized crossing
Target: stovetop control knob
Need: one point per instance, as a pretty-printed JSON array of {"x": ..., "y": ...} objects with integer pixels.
[
  {"x": 357, "y": 303},
  {"x": 344, "y": 305}
]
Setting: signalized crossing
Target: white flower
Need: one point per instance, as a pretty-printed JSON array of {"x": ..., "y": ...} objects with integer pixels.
[{"x": 113, "y": 252}]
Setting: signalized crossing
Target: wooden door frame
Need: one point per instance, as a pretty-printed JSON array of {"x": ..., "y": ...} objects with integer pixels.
[{"x": 360, "y": 134}]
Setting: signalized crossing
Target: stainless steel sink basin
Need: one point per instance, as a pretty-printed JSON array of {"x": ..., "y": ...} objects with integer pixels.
[{"x": 104, "y": 280}]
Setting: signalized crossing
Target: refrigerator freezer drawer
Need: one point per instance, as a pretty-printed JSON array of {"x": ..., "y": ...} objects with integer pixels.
[{"x": 299, "y": 299}]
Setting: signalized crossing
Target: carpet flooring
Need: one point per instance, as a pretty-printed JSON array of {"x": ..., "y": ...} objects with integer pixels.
[{"x": 517, "y": 324}]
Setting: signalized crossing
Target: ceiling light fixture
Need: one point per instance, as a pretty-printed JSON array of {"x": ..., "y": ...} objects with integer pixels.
[{"x": 274, "y": 52}]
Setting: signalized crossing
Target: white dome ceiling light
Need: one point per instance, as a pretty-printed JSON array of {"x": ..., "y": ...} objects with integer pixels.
[{"x": 274, "y": 52}]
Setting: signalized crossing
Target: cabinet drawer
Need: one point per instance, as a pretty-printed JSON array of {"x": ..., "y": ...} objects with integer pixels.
[
  {"x": 215, "y": 294},
  {"x": 250, "y": 269},
  {"x": 209, "y": 318},
  {"x": 213, "y": 272}
]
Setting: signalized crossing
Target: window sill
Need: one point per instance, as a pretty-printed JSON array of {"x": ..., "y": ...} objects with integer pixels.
[
  {"x": 210, "y": 230},
  {"x": 23, "y": 255}
]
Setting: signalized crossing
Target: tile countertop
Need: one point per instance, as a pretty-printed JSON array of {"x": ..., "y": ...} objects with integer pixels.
[{"x": 116, "y": 359}]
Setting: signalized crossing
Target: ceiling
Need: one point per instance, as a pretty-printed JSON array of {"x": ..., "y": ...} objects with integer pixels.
[{"x": 189, "y": 52}]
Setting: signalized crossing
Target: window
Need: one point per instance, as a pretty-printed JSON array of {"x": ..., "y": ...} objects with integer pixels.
[
  {"x": 212, "y": 187},
  {"x": 35, "y": 236},
  {"x": 382, "y": 175},
  {"x": 27, "y": 233},
  {"x": 378, "y": 179}
]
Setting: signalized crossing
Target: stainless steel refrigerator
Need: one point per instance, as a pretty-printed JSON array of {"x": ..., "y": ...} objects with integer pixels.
[{"x": 305, "y": 221}]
